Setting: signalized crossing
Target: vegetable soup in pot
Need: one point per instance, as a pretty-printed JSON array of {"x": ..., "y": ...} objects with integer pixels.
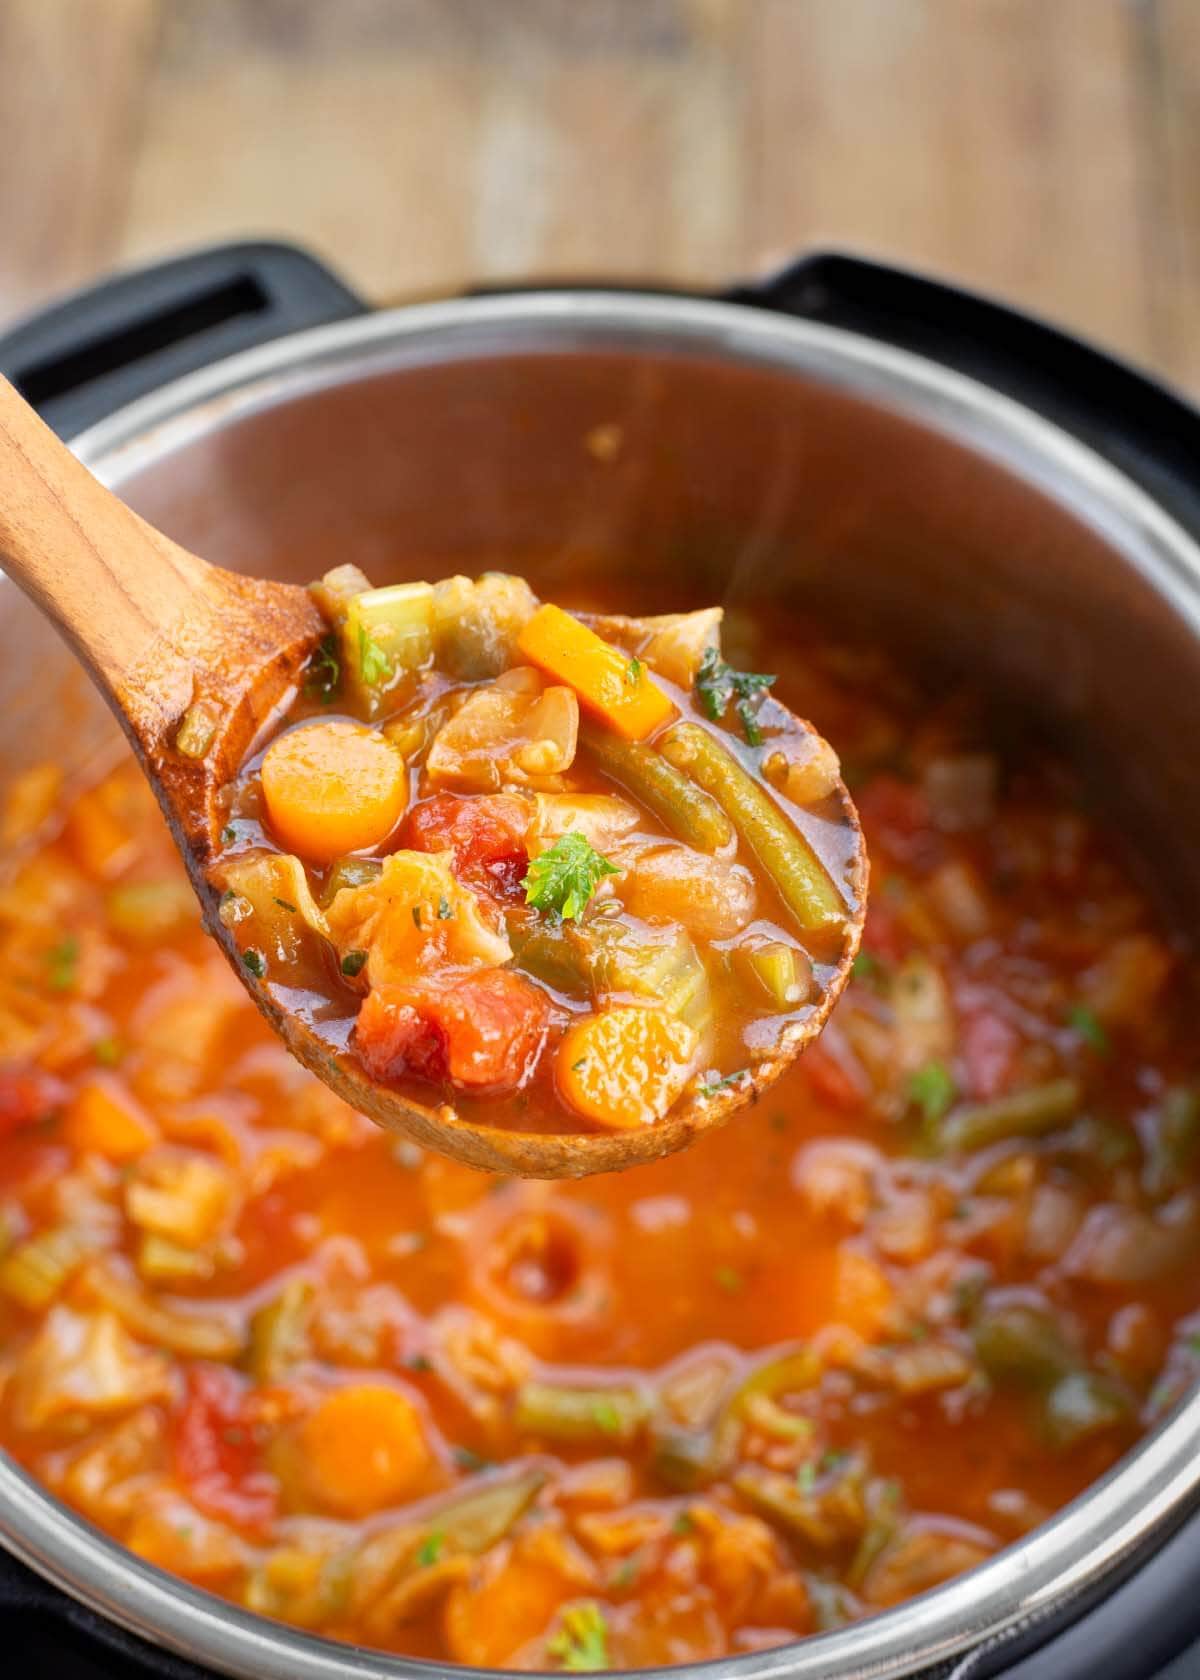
[{"x": 938, "y": 1280}]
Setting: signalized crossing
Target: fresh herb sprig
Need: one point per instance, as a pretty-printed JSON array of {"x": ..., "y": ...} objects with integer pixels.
[
  {"x": 324, "y": 672},
  {"x": 581, "y": 1644},
  {"x": 564, "y": 878},
  {"x": 374, "y": 666},
  {"x": 717, "y": 683}
]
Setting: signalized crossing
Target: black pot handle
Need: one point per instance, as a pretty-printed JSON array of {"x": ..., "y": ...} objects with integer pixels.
[
  {"x": 1141, "y": 426},
  {"x": 56, "y": 1636},
  {"x": 89, "y": 355}
]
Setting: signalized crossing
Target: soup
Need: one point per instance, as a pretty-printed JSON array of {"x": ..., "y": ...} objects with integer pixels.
[
  {"x": 937, "y": 1281},
  {"x": 531, "y": 867}
]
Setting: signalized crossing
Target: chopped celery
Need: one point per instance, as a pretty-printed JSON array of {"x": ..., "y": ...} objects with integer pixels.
[
  {"x": 349, "y": 872},
  {"x": 386, "y": 634},
  {"x": 782, "y": 972},
  {"x": 33, "y": 1273},
  {"x": 666, "y": 970},
  {"x": 1018, "y": 1344},
  {"x": 686, "y": 1457},
  {"x": 336, "y": 590},
  {"x": 1083, "y": 1404},
  {"x": 557, "y": 1412},
  {"x": 278, "y": 1332},
  {"x": 550, "y": 951}
]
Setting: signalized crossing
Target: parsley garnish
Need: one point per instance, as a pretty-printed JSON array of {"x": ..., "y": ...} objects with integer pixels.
[
  {"x": 806, "y": 1476},
  {"x": 324, "y": 671},
  {"x": 865, "y": 966},
  {"x": 373, "y": 663},
  {"x": 627, "y": 1571},
  {"x": 633, "y": 672},
  {"x": 712, "y": 1086},
  {"x": 729, "y": 1278},
  {"x": 62, "y": 962},
  {"x": 581, "y": 1644},
  {"x": 684, "y": 1523},
  {"x": 718, "y": 683},
  {"x": 563, "y": 879},
  {"x": 353, "y": 963},
  {"x": 932, "y": 1090},
  {"x": 578, "y": 1067},
  {"x": 255, "y": 962},
  {"x": 419, "y": 1362},
  {"x": 1087, "y": 1024},
  {"x": 445, "y": 910},
  {"x": 107, "y": 1051},
  {"x": 286, "y": 904},
  {"x": 228, "y": 836},
  {"x": 430, "y": 1549}
]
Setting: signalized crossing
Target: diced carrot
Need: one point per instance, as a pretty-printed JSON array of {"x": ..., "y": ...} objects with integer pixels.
[
  {"x": 105, "y": 1119},
  {"x": 624, "y": 1067},
  {"x": 862, "y": 1296},
  {"x": 364, "y": 1449},
  {"x": 609, "y": 684},
  {"x": 333, "y": 788},
  {"x": 482, "y": 1031}
]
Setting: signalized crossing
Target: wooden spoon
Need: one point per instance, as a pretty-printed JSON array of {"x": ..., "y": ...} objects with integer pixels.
[{"x": 174, "y": 643}]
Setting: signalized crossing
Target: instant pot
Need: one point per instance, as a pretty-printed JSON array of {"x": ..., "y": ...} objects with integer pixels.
[{"x": 915, "y": 462}]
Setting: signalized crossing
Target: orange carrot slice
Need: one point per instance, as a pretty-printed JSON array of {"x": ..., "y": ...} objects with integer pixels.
[
  {"x": 625, "y": 1067},
  {"x": 333, "y": 788},
  {"x": 609, "y": 684}
]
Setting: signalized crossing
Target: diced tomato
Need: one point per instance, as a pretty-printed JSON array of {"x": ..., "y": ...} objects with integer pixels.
[
  {"x": 217, "y": 1451},
  {"x": 27, "y": 1095},
  {"x": 486, "y": 834},
  {"x": 481, "y": 1031},
  {"x": 988, "y": 1045}
]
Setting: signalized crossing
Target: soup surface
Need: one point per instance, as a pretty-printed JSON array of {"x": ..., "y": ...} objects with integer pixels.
[{"x": 940, "y": 1279}]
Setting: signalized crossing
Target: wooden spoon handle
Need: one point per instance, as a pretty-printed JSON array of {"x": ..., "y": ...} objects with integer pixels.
[{"x": 111, "y": 583}]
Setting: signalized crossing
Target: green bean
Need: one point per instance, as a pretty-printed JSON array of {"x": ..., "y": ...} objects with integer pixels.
[
  {"x": 690, "y": 814},
  {"x": 798, "y": 873},
  {"x": 588, "y": 1416},
  {"x": 1022, "y": 1114},
  {"x": 35, "y": 1271}
]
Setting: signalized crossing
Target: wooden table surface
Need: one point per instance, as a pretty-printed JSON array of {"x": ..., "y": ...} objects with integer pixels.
[{"x": 1047, "y": 150}]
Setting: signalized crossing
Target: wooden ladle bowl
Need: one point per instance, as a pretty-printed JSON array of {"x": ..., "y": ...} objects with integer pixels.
[{"x": 170, "y": 639}]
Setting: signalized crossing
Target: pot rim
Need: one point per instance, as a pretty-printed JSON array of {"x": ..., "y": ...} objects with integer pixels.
[{"x": 1148, "y": 1490}]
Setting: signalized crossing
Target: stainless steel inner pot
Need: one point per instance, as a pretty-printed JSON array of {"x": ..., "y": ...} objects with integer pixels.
[{"x": 717, "y": 453}]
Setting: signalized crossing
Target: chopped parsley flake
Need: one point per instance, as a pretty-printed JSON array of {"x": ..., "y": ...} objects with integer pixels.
[
  {"x": 228, "y": 836},
  {"x": 712, "y": 1086},
  {"x": 255, "y": 962},
  {"x": 633, "y": 672},
  {"x": 373, "y": 663},
  {"x": 684, "y": 1523},
  {"x": 62, "y": 962},
  {"x": 430, "y": 1549},
  {"x": 581, "y": 1644},
  {"x": 445, "y": 910},
  {"x": 1088, "y": 1025},
  {"x": 729, "y": 1279},
  {"x": 419, "y": 1362},
  {"x": 627, "y": 1571},
  {"x": 286, "y": 904},
  {"x": 718, "y": 683},
  {"x": 563, "y": 879},
  {"x": 932, "y": 1090},
  {"x": 107, "y": 1051},
  {"x": 324, "y": 672},
  {"x": 353, "y": 963},
  {"x": 806, "y": 1476},
  {"x": 578, "y": 1067}
]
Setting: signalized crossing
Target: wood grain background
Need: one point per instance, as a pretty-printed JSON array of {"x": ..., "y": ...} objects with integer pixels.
[{"x": 1048, "y": 150}]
